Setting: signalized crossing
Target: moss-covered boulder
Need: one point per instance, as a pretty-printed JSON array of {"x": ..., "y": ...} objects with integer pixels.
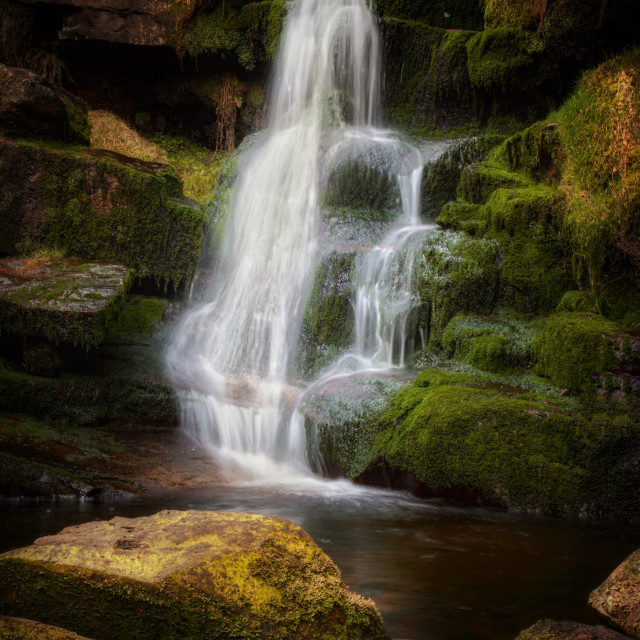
[
  {"x": 32, "y": 107},
  {"x": 185, "y": 574},
  {"x": 22, "y": 629},
  {"x": 99, "y": 206},
  {"x": 617, "y": 600},
  {"x": 467, "y": 437},
  {"x": 551, "y": 630},
  {"x": 573, "y": 347}
]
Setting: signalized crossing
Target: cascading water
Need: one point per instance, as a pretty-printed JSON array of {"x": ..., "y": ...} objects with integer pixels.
[{"x": 229, "y": 357}]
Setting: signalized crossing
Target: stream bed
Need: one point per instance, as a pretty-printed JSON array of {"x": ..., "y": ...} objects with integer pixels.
[{"x": 435, "y": 571}]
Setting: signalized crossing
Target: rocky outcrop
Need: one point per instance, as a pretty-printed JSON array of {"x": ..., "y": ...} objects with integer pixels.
[
  {"x": 185, "y": 574},
  {"x": 551, "y": 630},
  {"x": 72, "y": 301},
  {"x": 98, "y": 205},
  {"x": 617, "y": 599},
  {"x": 32, "y": 107},
  {"x": 21, "y": 629}
]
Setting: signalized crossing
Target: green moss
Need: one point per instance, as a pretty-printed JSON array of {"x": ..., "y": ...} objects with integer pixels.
[
  {"x": 501, "y": 59},
  {"x": 517, "y": 452},
  {"x": 488, "y": 344},
  {"x": 141, "y": 315},
  {"x": 447, "y": 14},
  {"x": 572, "y": 347},
  {"x": 101, "y": 209},
  {"x": 601, "y": 178},
  {"x": 228, "y": 576},
  {"x": 509, "y": 13},
  {"x": 441, "y": 177},
  {"x": 328, "y": 320},
  {"x": 460, "y": 274},
  {"x": 478, "y": 181},
  {"x": 234, "y": 32}
]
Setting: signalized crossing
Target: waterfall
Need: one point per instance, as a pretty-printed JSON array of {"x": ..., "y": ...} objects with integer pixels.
[{"x": 229, "y": 357}]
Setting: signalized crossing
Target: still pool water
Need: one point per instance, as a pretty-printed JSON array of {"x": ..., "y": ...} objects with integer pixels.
[{"x": 436, "y": 572}]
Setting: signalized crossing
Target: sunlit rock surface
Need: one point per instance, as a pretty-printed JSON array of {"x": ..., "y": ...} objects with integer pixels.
[
  {"x": 617, "y": 599},
  {"x": 185, "y": 574}
]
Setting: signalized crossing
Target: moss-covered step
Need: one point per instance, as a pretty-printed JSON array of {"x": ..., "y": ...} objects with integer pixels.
[
  {"x": 22, "y": 629},
  {"x": 66, "y": 300},
  {"x": 185, "y": 574},
  {"x": 468, "y": 437},
  {"x": 617, "y": 600},
  {"x": 98, "y": 205},
  {"x": 551, "y": 630}
]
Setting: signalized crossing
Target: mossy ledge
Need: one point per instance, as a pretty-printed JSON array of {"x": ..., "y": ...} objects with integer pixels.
[
  {"x": 99, "y": 206},
  {"x": 185, "y": 575}
]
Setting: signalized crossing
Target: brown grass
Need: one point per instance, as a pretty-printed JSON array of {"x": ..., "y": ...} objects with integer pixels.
[{"x": 110, "y": 132}]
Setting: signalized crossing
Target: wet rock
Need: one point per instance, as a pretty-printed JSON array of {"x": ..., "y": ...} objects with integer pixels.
[
  {"x": 551, "y": 630},
  {"x": 32, "y": 107},
  {"x": 71, "y": 301},
  {"x": 185, "y": 574},
  {"x": 21, "y": 629},
  {"x": 617, "y": 599},
  {"x": 98, "y": 205}
]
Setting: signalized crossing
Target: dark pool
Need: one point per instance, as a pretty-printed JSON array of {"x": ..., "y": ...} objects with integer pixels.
[{"x": 436, "y": 572}]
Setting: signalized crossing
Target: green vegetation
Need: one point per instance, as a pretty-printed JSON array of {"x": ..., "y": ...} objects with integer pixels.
[
  {"x": 600, "y": 133},
  {"x": 141, "y": 315}
]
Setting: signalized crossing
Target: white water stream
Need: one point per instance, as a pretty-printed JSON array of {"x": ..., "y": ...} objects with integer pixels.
[{"x": 230, "y": 358}]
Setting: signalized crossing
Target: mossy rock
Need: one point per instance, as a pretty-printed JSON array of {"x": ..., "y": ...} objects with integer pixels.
[
  {"x": 479, "y": 181},
  {"x": 427, "y": 89},
  {"x": 459, "y": 274},
  {"x": 500, "y": 59},
  {"x": 442, "y": 176},
  {"x": 141, "y": 315},
  {"x": 328, "y": 319},
  {"x": 64, "y": 301},
  {"x": 457, "y": 434},
  {"x": 22, "y": 629},
  {"x": 573, "y": 347},
  {"x": 98, "y": 205},
  {"x": 488, "y": 344},
  {"x": 185, "y": 575}
]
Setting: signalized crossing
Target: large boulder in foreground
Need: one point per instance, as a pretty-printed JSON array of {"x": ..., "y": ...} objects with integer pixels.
[
  {"x": 617, "y": 599},
  {"x": 185, "y": 574},
  {"x": 21, "y": 629},
  {"x": 551, "y": 630}
]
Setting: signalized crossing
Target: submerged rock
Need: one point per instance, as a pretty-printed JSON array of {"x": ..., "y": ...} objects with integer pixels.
[
  {"x": 617, "y": 599},
  {"x": 185, "y": 574},
  {"x": 551, "y": 630}
]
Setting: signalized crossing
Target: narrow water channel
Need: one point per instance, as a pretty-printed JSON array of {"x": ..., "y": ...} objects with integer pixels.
[{"x": 436, "y": 572}]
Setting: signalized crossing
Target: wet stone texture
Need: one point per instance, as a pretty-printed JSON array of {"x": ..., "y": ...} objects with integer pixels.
[
  {"x": 70, "y": 301},
  {"x": 21, "y": 629},
  {"x": 551, "y": 630},
  {"x": 617, "y": 599},
  {"x": 188, "y": 574}
]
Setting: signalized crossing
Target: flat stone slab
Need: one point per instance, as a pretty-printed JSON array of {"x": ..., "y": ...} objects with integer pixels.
[
  {"x": 185, "y": 574},
  {"x": 72, "y": 300},
  {"x": 21, "y": 629},
  {"x": 617, "y": 599}
]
